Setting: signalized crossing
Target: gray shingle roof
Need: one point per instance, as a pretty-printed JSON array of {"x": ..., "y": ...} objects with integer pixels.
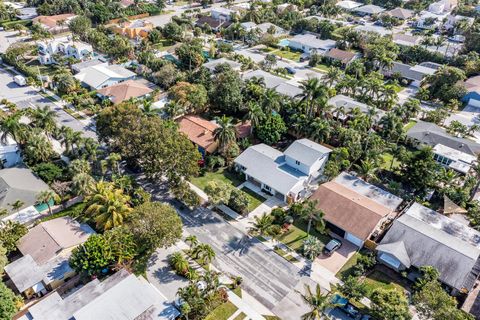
[
  {"x": 349, "y": 104},
  {"x": 273, "y": 82},
  {"x": 398, "y": 250},
  {"x": 369, "y": 9},
  {"x": 95, "y": 76},
  {"x": 211, "y": 65},
  {"x": 431, "y": 134},
  {"x": 306, "y": 151},
  {"x": 436, "y": 240},
  {"x": 19, "y": 184},
  {"x": 24, "y": 273}
]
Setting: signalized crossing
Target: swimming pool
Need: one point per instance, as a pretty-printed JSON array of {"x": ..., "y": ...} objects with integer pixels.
[{"x": 284, "y": 43}]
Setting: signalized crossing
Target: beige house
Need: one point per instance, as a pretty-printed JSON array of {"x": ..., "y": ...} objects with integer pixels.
[{"x": 46, "y": 249}]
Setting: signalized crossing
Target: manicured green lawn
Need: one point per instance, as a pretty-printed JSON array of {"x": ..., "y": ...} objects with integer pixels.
[
  {"x": 321, "y": 68},
  {"x": 379, "y": 280},
  {"x": 290, "y": 55},
  {"x": 222, "y": 312},
  {"x": 238, "y": 291},
  {"x": 347, "y": 270},
  {"x": 219, "y": 175},
  {"x": 254, "y": 199},
  {"x": 409, "y": 125},
  {"x": 240, "y": 316},
  {"x": 294, "y": 237},
  {"x": 164, "y": 44},
  {"x": 73, "y": 211},
  {"x": 387, "y": 161}
]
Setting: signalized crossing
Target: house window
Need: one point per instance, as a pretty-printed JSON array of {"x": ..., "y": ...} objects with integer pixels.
[
  {"x": 297, "y": 162},
  {"x": 267, "y": 187}
]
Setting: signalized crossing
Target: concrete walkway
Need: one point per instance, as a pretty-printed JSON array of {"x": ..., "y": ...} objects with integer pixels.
[
  {"x": 243, "y": 307},
  {"x": 198, "y": 191}
]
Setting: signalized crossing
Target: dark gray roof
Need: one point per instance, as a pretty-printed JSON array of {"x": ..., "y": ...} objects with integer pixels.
[
  {"x": 273, "y": 82},
  {"x": 349, "y": 104},
  {"x": 212, "y": 64},
  {"x": 405, "y": 71},
  {"x": 431, "y": 134},
  {"x": 398, "y": 250},
  {"x": 306, "y": 151},
  {"x": 435, "y": 240},
  {"x": 19, "y": 184}
]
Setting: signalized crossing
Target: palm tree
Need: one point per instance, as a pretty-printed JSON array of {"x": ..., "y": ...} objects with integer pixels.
[
  {"x": 83, "y": 184},
  {"x": 333, "y": 75},
  {"x": 44, "y": 118},
  {"x": 262, "y": 225},
  {"x": 38, "y": 148},
  {"x": 367, "y": 169},
  {"x": 108, "y": 205},
  {"x": 148, "y": 110},
  {"x": 317, "y": 301},
  {"x": 178, "y": 262},
  {"x": 271, "y": 101},
  {"x": 192, "y": 241},
  {"x": 17, "y": 205},
  {"x": 114, "y": 159},
  {"x": 204, "y": 252},
  {"x": 320, "y": 129},
  {"x": 45, "y": 197},
  {"x": 310, "y": 213},
  {"x": 11, "y": 126},
  {"x": 314, "y": 95},
  {"x": 225, "y": 134},
  {"x": 78, "y": 166},
  {"x": 255, "y": 115}
]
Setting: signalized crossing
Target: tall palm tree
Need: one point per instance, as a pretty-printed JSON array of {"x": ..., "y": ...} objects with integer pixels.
[
  {"x": 367, "y": 169},
  {"x": 11, "y": 126},
  {"x": 38, "y": 148},
  {"x": 108, "y": 205},
  {"x": 17, "y": 205},
  {"x": 317, "y": 301},
  {"x": 271, "y": 101},
  {"x": 262, "y": 225},
  {"x": 192, "y": 241},
  {"x": 333, "y": 75},
  {"x": 44, "y": 118},
  {"x": 225, "y": 134},
  {"x": 255, "y": 115},
  {"x": 320, "y": 129},
  {"x": 83, "y": 184},
  {"x": 178, "y": 262},
  {"x": 204, "y": 252},
  {"x": 314, "y": 95},
  {"x": 45, "y": 197},
  {"x": 310, "y": 213}
]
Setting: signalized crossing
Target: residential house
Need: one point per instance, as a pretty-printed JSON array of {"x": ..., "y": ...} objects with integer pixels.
[
  {"x": 415, "y": 74},
  {"x": 104, "y": 75},
  {"x": 442, "y": 6},
  {"x": 310, "y": 44},
  {"x": 66, "y": 47},
  {"x": 123, "y": 91},
  {"x": 423, "y": 237},
  {"x": 134, "y": 29},
  {"x": 213, "y": 64},
  {"x": 222, "y": 14},
  {"x": 354, "y": 209},
  {"x": 286, "y": 7},
  {"x": 45, "y": 250},
  {"x": 348, "y": 5},
  {"x": 54, "y": 24},
  {"x": 430, "y": 20},
  {"x": 370, "y": 28},
  {"x": 344, "y": 58},
  {"x": 406, "y": 40},
  {"x": 27, "y": 13},
  {"x": 368, "y": 10},
  {"x": 270, "y": 28},
  {"x": 9, "y": 153},
  {"x": 400, "y": 13},
  {"x": 22, "y": 186},
  {"x": 454, "y": 20},
  {"x": 214, "y": 24},
  {"x": 287, "y": 88},
  {"x": 472, "y": 97},
  {"x": 200, "y": 132},
  {"x": 77, "y": 67},
  {"x": 121, "y": 296},
  {"x": 453, "y": 159},
  {"x": 343, "y": 105},
  {"x": 429, "y": 134},
  {"x": 289, "y": 175}
]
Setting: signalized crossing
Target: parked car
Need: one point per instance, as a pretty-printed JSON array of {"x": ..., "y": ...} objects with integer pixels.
[
  {"x": 332, "y": 246},
  {"x": 20, "y": 80},
  {"x": 290, "y": 70}
]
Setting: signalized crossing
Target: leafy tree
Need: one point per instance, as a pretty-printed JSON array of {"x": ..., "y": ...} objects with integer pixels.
[
  {"x": 446, "y": 84},
  {"x": 79, "y": 166},
  {"x": 191, "y": 97},
  {"x": 108, "y": 205},
  {"x": 190, "y": 54},
  {"x": 271, "y": 129},
  {"x": 80, "y": 25},
  {"x": 93, "y": 256},
  {"x": 10, "y": 233},
  {"x": 173, "y": 31},
  {"x": 38, "y": 149},
  {"x": 226, "y": 94},
  {"x": 122, "y": 244},
  {"x": 317, "y": 301},
  {"x": 238, "y": 201},
  {"x": 390, "y": 305},
  {"x": 427, "y": 275},
  {"x": 48, "y": 171},
  {"x": 185, "y": 194},
  {"x": 352, "y": 288},
  {"x": 154, "y": 225},
  {"x": 3, "y": 258},
  {"x": 167, "y": 75},
  {"x": 420, "y": 170},
  {"x": 9, "y": 302}
]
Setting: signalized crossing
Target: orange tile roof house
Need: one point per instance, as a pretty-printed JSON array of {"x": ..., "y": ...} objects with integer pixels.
[
  {"x": 200, "y": 132},
  {"x": 354, "y": 209},
  {"x": 126, "y": 90},
  {"x": 134, "y": 29},
  {"x": 54, "y": 24}
]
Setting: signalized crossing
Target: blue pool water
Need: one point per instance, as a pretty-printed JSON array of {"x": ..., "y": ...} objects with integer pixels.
[{"x": 284, "y": 43}]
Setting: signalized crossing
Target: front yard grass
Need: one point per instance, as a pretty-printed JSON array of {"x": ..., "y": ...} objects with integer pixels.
[
  {"x": 380, "y": 280},
  {"x": 240, "y": 316},
  {"x": 222, "y": 312},
  {"x": 409, "y": 125},
  {"x": 290, "y": 55},
  {"x": 321, "y": 68},
  {"x": 347, "y": 269},
  {"x": 254, "y": 199},
  {"x": 219, "y": 175},
  {"x": 295, "y": 236}
]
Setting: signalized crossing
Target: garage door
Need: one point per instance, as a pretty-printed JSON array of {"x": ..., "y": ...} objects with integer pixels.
[
  {"x": 356, "y": 241},
  {"x": 335, "y": 229},
  {"x": 474, "y": 102}
]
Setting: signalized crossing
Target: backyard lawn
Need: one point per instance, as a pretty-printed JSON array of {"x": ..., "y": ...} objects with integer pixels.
[
  {"x": 380, "y": 280},
  {"x": 222, "y": 312},
  {"x": 387, "y": 161},
  {"x": 164, "y": 45}
]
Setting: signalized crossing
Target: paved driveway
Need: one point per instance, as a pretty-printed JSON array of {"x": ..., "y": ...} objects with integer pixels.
[
  {"x": 26, "y": 97},
  {"x": 338, "y": 259}
]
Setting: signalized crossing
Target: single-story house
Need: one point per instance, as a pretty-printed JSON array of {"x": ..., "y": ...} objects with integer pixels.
[
  {"x": 281, "y": 8},
  {"x": 354, "y": 209},
  {"x": 406, "y": 40},
  {"x": 64, "y": 46},
  {"x": 430, "y": 134},
  {"x": 19, "y": 184},
  {"x": 104, "y": 75},
  {"x": 400, "y": 13},
  {"x": 453, "y": 20},
  {"x": 9, "y": 153},
  {"x": 54, "y": 24},
  {"x": 212, "y": 64},
  {"x": 341, "y": 56},
  {"x": 200, "y": 132},
  {"x": 370, "y": 28},
  {"x": 346, "y": 103},
  {"x": 222, "y": 14},
  {"x": 472, "y": 97},
  {"x": 348, "y": 5},
  {"x": 412, "y": 73},
  {"x": 279, "y": 84},
  {"x": 123, "y": 91},
  {"x": 310, "y": 44},
  {"x": 368, "y": 10},
  {"x": 133, "y": 29},
  {"x": 288, "y": 175},
  {"x": 429, "y": 20},
  {"x": 214, "y": 24},
  {"x": 77, "y": 67},
  {"x": 442, "y": 6},
  {"x": 45, "y": 251},
  {"x": 423, "y": 237},
  {"x": 121, "y": 296},
  {"x": 27, "y": 13},
  {"x": 268, "y": 27},
  {"x": 453, "y": 159}
]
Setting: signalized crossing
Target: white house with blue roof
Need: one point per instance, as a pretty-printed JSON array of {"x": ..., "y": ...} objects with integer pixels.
[{"x": 288, "y": 175}]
